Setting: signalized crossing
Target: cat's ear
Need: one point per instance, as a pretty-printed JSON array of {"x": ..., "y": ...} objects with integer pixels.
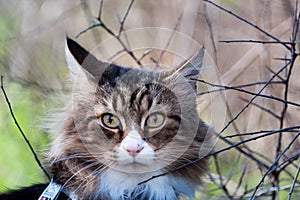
[
  {"x": 79, "y": 58},
  {"x": 191, "y": 68}
]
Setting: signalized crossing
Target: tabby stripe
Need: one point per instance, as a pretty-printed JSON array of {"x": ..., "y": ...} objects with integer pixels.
[
  {"x": 133, "y": 97},
  {"x": 144, "y": 93},
  {"x": 150, "y": 102},
  {"x": 121, "y": 135},
  {"x": 109, "y": 134},
  {"x": 175, "y": 117}
]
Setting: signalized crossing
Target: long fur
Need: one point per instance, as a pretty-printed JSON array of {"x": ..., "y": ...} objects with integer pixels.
[{"x": 93, "y": 161}]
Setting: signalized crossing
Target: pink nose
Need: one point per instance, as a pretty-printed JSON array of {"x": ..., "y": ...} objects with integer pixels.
[{"x": 133, "y": 151}]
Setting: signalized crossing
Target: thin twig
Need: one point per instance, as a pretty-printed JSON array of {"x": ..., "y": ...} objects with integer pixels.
[
  {"x": 169, "y": 40},
  {"x": 294, "y": 183},
  {"x": 21, "y": 131},
  {"x": 278, "y": 76},
  {"x": 233, "y": 87},
  {"x": 124, "y": 33},
  {"x": 111, "y": 58},
  {"x": 100, "y": 10},
  {"x": 256, "y": 41},
  {"x": 88, "y": 28},
  {"x": 272, "y": 189},
  {"x": 100, "y": 23},
  {"x": 254, "y": 97},
  {"x": 124, "y": 18},
  {"x": 273, "y": 166},
  {"x": 211, "y": 34},
  {"x": 222, "y": 184},
  {"x": 288, "y": 162},
  {"x": 240, "y": 180},
  {"x": 147, "y": 52},
  {"x": 248, "y": 22},
  {"x": 232, "y": 146},
  {"x": 262, "y": 108},
  {"x": 252, "y": 93},
  {"x": 287, "y": 129},
  {"x": 287, "y": 79}
]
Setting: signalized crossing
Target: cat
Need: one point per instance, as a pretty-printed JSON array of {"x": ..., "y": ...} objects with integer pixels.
[{"x": 121, "y": 126}]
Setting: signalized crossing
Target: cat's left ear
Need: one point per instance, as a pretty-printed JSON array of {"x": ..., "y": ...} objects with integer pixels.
[
  {"x": 192, "y": 67},
  {"x": 79, "y": 58}
]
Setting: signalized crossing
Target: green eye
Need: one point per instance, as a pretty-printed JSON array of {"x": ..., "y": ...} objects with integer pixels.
[
  {"x": 110, "y": 121},
  {"x": 155, "y": 120}
]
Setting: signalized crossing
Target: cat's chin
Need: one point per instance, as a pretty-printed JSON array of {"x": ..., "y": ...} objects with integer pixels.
[{"x": 136, "y": 168}]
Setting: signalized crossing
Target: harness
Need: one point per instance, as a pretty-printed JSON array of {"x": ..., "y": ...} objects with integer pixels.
[{"x": 52, "y": 192}]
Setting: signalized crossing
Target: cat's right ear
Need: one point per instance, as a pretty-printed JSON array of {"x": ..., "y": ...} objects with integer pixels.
[
  {"x": 80, "y": 59},
  {"x": 191, "y": 68}
]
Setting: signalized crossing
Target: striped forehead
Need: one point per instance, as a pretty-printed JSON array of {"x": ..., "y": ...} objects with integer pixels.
[
  {"x": 135, "y": 90},
  {"x": 138, "y": 98}
]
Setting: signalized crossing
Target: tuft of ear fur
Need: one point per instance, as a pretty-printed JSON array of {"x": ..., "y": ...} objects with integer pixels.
[
  {"x": 192, "y": 67},
  {"x": 79, "y": 58}
]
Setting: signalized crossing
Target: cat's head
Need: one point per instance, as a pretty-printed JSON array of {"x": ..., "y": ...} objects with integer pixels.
[{"x": 130, "y": 119}]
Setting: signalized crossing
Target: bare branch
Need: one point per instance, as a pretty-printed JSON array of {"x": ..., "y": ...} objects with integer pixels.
[
  {"x": 21, "y": 131},
  {"x": 124, "y": 18},
  {"x": 88, "y": 28},
  {"x": 169, "y": 40},
  {"x": 256, "y": 41},
  {"x": 262, "y": 108},
  {"x": 100, "y": 10},
  {"x": 99, "y": 23},
  {"x": 287, "y": 129},
  {"x": 287, "y": 79},
  {"x": 248, "y": 92},
  {"x": 249, "y": 23},
  {"x": 273, "y": 166},
  {"x": 124, "y": 33},
  {"x": 278, "y": 76},
  {"x": 294, "y": 183},
  {"x": 146, "y": 53},
  {"x": 223, "y": 87}
]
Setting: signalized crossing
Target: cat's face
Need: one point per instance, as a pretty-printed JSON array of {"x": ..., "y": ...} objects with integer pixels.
[
  {"x": 130, "y": 120},
  {"x": 138, "y": 116},
  {"x": 135, "y": 119}
]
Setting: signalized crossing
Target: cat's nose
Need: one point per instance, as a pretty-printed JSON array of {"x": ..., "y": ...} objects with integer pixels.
[{"x": 134, "y": 150}]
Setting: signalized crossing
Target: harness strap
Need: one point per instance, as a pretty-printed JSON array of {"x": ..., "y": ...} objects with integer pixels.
[{"x": 51, "y": 192}]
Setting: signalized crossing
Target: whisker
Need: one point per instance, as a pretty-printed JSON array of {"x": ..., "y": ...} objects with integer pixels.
[
  {"x": 76, "y": 166},
  {"x": 97, "y": 172},
  {"x": 81, "y": 155},
  {"x": 79, "y": 171}
]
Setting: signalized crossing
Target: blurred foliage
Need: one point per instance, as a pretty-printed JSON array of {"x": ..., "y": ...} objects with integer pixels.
[{"x": 17, "y": 164}]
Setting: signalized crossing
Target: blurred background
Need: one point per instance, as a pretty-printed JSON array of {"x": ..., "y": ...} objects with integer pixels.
[{"x": 32, "y": 34}]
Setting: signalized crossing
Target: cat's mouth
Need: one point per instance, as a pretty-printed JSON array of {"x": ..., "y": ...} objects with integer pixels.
[
  {"x": 137, "y": 167},
  {"x": 136, "y": 164},
  {"x": 140, "y": 163},
  {"x": 135, "y": 161}
]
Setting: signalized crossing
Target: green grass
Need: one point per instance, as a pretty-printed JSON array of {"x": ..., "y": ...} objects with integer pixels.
[{"x": 18, "y": 167}]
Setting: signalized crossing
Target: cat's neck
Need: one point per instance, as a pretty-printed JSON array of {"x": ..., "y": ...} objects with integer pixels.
[{"x": 119, "y": 185}]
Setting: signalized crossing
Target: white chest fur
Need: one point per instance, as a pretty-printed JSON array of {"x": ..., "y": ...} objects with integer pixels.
[{"x": 119, "y": 185}]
